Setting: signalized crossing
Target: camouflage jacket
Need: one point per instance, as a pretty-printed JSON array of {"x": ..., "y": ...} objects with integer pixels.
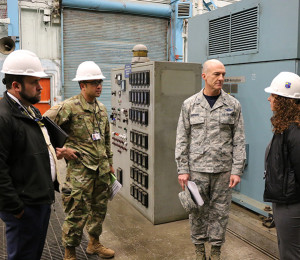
[
  {"x": 80, "y": 120},
  {"x": 210, "y": 139}
]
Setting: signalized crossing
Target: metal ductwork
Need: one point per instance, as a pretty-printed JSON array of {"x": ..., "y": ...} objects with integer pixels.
[
  {"x": 148, "y": 9},
  {"x": 7, "y": 45}
]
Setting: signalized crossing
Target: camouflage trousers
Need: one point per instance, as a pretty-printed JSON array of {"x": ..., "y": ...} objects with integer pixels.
[
  {"x": 85, "y": 197},
  {"x": 210, "y": 221}
]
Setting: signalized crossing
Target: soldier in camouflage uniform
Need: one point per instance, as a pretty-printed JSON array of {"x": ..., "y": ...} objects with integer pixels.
[
  {"x": 89, "y": 162},
  {"x": 210, "y": 150}
]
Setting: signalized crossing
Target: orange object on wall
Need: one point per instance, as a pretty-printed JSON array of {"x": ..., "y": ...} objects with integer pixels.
[{"x": 45, "y": 102}]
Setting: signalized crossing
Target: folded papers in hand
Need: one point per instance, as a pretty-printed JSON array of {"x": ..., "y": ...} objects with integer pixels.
[
  {"x": 115, "y": 187},
  {"x": 195, "y": 193}
]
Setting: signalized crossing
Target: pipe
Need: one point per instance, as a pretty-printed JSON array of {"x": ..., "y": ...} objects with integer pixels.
[
  {"x": 13, "y": 15},
  {"x": 62, "y": 56},
  {"x": 148, "y": 9}
]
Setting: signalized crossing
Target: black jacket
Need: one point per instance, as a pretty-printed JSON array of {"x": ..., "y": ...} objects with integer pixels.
[
  {"x": 25, "y": 174},
  {"x": 283, "y": 182}
]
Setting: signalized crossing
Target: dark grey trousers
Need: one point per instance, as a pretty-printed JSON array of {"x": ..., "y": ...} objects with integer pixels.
[{"x": 287, "y": 221}]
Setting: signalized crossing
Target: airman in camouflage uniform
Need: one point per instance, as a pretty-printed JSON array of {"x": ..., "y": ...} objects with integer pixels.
[
  {"x": 210, "y": 150},
  {"x": 88, "y": 180}
]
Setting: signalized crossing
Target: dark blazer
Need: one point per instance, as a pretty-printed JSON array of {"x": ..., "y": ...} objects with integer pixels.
[
  {"x": 282, "y": 167},
  {"x": 25, "y": 173}
]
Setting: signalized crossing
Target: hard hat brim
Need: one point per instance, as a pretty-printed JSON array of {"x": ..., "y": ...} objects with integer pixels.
[
  {"x": 38, "y": 74},
  {"x": 269, "y": 90},
  {"x": 33, "y": 74},
  {"x": 88, "y": 78}
]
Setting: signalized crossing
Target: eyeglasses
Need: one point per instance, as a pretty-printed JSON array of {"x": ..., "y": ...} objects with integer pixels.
[{"x": 94, "y": 83}]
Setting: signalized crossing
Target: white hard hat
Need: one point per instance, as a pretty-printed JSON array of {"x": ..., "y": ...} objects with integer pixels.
[
  {"x": 23, "y": 62},
  {"x": 88, "y": 70},
  {"x": 286, "y": 84}
]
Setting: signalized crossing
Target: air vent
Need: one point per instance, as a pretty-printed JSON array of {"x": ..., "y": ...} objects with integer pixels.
[
  {"x": 219, "y": 35},
  {"x": 244, "y": 30},
  {"x": 234, "y": 33},
  {"x": 184, "y": 10}
]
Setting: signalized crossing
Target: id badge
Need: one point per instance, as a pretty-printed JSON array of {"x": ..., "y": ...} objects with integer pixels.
[{"x": 96, "y": 136}]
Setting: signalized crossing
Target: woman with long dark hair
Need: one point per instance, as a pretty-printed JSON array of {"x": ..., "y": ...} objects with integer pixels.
[{"x": 282, "y": 163}]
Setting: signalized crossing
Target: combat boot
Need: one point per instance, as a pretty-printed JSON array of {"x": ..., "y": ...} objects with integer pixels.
[
  {"x": 95, "y": 247},
  {"x": 70, "y": 253},
  {"x": 215, "y": 253},
  {"x": 200, "y": 252}
]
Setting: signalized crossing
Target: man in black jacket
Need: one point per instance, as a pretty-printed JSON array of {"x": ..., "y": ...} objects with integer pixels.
[{"x": 27, "y": 159}]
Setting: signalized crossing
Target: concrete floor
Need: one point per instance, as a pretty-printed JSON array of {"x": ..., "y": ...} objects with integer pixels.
[{"x": 132, "y": 236}]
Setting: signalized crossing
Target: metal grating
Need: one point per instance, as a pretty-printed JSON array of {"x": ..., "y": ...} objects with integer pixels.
[
  {"x": 53, "y": 249},
  {"x": 184, "y": 10},
  {"x": 234, "y": 33}
]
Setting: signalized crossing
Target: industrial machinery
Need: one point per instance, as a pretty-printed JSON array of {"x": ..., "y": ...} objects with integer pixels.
[
  {"x": 146, "y": 102},
  {"x": 255, "y": 39}
]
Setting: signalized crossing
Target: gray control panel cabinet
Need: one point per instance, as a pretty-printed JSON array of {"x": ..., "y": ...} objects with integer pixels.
[{"x": 146, "y": 103}]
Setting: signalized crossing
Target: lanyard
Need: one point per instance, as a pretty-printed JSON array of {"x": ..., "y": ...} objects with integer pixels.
[
  {"x": 28, "y": 112},
  {"x": 95, "y": 135},
  {"x": 95, "y": 117}
]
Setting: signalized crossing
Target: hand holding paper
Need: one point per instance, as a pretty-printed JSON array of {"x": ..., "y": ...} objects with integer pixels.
[
  {"x": 115, "y": 187},
  {"x": 195, "y": 193}
]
